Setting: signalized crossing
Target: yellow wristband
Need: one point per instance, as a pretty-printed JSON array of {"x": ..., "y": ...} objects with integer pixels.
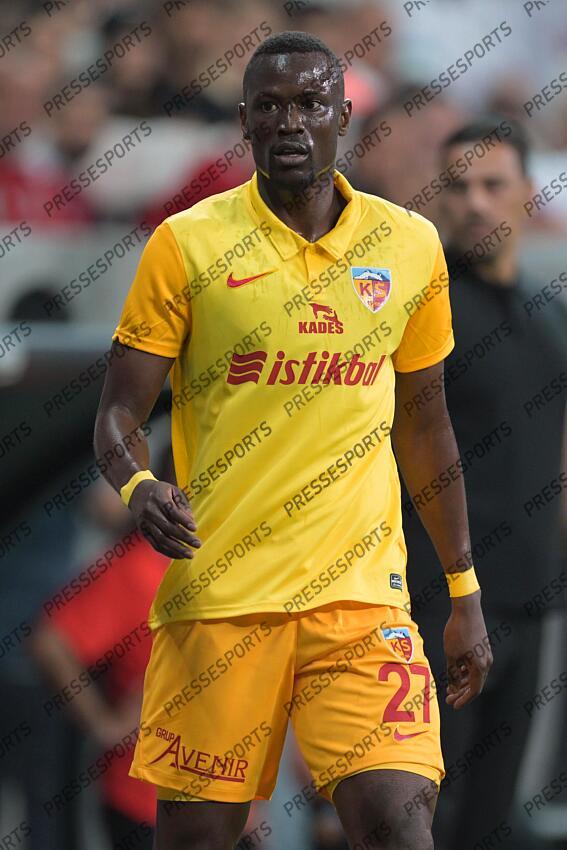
[
  {"x": 462, "y": 584},
  {"x": 130, "y": 486}
]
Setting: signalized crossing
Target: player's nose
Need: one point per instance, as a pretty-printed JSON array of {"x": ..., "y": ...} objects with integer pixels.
[{"x": 291, "y": 120}]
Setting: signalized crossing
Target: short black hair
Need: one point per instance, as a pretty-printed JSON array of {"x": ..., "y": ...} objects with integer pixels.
[
  {"x": 500, "y": 128},
  {"x": 294, "y": 41}
]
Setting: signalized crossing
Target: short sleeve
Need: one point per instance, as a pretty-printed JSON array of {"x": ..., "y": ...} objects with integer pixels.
[
  {"x": 156, "y": 316},
  {"x": 428, "y": 335}
]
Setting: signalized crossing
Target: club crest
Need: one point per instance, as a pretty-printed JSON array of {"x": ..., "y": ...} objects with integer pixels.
[
  {"x": 372, "y": 285},
  {"x": 400, "y": 641}
]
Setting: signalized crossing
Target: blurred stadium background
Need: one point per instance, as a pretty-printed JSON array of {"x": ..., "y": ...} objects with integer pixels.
[{"x": 103, "y": 134}]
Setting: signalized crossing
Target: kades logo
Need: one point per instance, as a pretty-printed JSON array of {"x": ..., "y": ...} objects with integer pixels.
[
  {"x": 313, "y": 369},
  {"x": 326, "y": 321}
]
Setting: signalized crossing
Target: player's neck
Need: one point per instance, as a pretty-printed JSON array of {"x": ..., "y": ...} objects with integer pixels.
[{"x": 311, "y": 211}]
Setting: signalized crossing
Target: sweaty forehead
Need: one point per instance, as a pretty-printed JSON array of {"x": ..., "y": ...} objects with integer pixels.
[{"x": 293, "y": 71}]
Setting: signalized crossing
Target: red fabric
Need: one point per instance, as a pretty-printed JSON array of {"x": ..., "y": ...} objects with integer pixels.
[
  {"x": 98, "y": 620},
  {"x": 23, "y": 194},
  {"x": 363, "y": 93}
]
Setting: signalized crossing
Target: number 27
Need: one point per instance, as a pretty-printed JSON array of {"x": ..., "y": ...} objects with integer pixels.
[{"x": 392, "y": 712}]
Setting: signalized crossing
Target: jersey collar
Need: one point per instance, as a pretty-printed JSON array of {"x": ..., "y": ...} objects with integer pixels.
[{"x": 288, "y": 243}]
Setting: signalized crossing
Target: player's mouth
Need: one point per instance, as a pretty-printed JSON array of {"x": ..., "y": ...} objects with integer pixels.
[{"x": 290, "y": 153}]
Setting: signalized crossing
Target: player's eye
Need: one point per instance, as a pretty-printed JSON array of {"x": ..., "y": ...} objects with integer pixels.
[
  {"x": 311, "y": 103},
  {"x": 268, "y": 106},
  {"x": 458, "y": 187}
]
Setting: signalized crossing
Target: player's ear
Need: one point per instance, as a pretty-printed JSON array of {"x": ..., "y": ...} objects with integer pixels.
[
  {"x": 243, "y": 122},
  {"x": 344, "y": 120}
]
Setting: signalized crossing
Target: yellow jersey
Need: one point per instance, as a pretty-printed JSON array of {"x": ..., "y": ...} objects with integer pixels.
[{"x": 283, "y": 395}]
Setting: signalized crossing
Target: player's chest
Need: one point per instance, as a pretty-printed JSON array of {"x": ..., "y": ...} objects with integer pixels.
[{"x": 312, "y": 301}]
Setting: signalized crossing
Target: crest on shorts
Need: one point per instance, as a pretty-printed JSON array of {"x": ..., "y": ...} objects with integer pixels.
[
  {"x": 372, "y": 285},
  {"x": 400, "y": 641}
]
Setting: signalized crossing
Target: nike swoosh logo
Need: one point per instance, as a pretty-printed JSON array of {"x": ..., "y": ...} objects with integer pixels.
[
  {"x": 399, "y": 737},
  {"x": 231, "y": 281}
]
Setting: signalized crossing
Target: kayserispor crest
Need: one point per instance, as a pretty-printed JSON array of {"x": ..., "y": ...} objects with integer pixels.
[{"x": 372, "y": 286}]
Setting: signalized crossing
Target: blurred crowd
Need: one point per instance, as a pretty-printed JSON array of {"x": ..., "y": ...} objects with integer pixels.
[
  {"x": 125, "y": 110},
  {"x": 121, "y": 112}
]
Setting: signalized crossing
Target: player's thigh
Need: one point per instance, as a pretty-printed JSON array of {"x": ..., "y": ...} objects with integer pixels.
[
  {"x": 213, "y": 722},
  {"x": 199, "y": 826},
  {"x": 387, "y": 809},
  {"x": 366, "y": 700}
]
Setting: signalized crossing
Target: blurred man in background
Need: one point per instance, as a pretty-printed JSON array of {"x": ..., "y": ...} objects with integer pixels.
[
  {"x": 506, "y": 384},
  {"x": 94, "y": 643},
  {"x": 405, "y": 156}
]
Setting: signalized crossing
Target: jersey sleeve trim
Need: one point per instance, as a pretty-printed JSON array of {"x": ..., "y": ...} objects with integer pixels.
[
  {"x": 430, "y": 359},
  {"x": 158, "y": 348}
]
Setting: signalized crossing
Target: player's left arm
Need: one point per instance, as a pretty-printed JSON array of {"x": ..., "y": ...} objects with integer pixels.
[{"x": 428, "y": 458}]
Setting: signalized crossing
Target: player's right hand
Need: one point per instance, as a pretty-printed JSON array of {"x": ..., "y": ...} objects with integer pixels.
[{"x": 163, "y": 515}]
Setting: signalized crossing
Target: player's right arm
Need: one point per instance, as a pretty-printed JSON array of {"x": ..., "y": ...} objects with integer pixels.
[
  {"x": 152, "y": 331},
  {"x": 161, "y": 510}
]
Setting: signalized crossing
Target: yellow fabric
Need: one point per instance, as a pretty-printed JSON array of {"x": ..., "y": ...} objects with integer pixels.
[
  {"x": 291, "y": 473},
  {"x": 462, "y": 584},
  {"x": 127, "y": 490},
  {"x": 218, "y": 695}
]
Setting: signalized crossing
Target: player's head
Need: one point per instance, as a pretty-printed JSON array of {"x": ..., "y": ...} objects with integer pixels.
[
  {"x": 486, "y": 162},
  {"x": 294, "y": 108}
]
